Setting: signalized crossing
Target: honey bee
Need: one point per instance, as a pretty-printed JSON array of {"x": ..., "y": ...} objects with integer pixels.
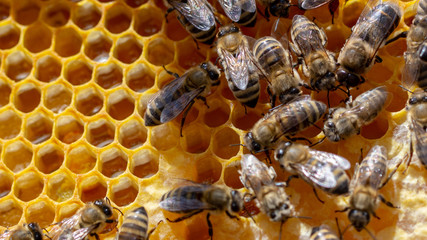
[
  {"x": 313, "y": 4},
  {"x": 276, "y": 61},
  {"x": 277, "y": 8},
  {"x": 178, "y": 95},
  {"x": 284, "y": 120},
  {"x": 197, "y": 17},
  {"x": 31, "y": 231},
  {"x": 242, "y": 12},
  {"x": 309, "y": 42},
  {"x": 369, "y": 177},
  {"x": 323, "y": 232},
  {"x": 239, "y": 65},
  {"x": 90, "y": 220},
  {"x": 319, "y": 169},
  {"x": 135, "y": 225},
  {"x": 359, "y": 53},
  {"x": 194, "y": 199},
  {"x": 346, "y": 122}
]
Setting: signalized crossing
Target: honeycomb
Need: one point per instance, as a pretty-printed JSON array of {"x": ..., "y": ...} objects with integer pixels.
[{"x": 74, "y": 84}]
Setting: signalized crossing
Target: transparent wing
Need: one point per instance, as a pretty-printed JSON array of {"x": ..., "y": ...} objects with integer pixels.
[
  {"x": 82, "y": 233},
  {"x": 180, "y": 204},
  {"x": 309, "y": 40},
  {"x": 197, "y": 12},
  {"x": 320, "y": 174},
  {"x": 331, "y": 158},
  {"x": 421, "y": 141},
  {"x": 375, "y": 175},
  {"x": 255, "y": 173},
  {"x": 354, "y": 178},
  {"x": 311, "y": 4},
  {"x": 68, "y": 223},
  {"x": 279, "y": 31},
  {"x": 167, "y": 93},
  {"x": 174, "y": 108},
  {"x": 248, "y": 5},
  {"x": 232, "y": 9},
  {"x": 411, "y": 70},
  {"x": 237, "y": 67}
]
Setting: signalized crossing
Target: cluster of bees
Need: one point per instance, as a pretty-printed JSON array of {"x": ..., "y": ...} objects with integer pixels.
[{"x": 244, "y": 62}]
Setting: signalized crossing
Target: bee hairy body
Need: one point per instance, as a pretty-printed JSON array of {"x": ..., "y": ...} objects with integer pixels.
[
  {"x": 134, "y": 225},
  {"x": 322, "y": 233}
]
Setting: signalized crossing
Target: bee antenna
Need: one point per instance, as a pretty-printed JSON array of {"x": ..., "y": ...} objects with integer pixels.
[
  {"x": 280, "y": 231},
  {"x": 303, "y": 217},
  {"x": 108, "y": 200},
  {"x": 249, "y": 213},
  {"x": 370, "y": 233},
  {"x": 237, "y": 144},
  {"x": 338, "y": 227},
  {"x": 345, "y": 229},
  {"x": 318, "y": 142},
  {"x": 401, "y": 86},
  {"x": 118, "y": 210}
]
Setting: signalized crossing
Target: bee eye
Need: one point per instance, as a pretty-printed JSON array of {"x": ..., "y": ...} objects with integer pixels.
[
  {"x": 412, "y": 100},
  {"x": 330, "y": 125},
  {"x": 273, "y": 215},
  {"x": 285, "y": 206},
  {"x": 425, "y": 99},
  {"x": 279, "y": 153},
  {"x": 107, "y": 211},
  {"x": 204, "y": 66},
  {"x": 213, "y": 75},
  {"x": 330, "y": 75}
]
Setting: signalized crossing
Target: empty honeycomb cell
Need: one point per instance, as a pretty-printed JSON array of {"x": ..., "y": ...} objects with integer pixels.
[
  {"x": 196, "y": 139},
  {"x": 25, "y": 12},
  {"x": 118, "y": 18},
  {"x": 120, "y": 104},
  {"x": 80, "y": 159},
  {"x": 396, "y": 48},
  {"x": 100, "y": 133},
  {"x": 67, "y": 42},
  {"x": 48, "y": 68},
  {"x": 89, "y": 101},
  {"x": 9, "y": 36},
  {"x": 174, "y": 30},
  {"x": 10, "y": 212},
  {"x": 244, "y": 121},
  {"x": 351, "y": 12},
  {"x": 132, "y": 134},
  {"x": 78, "y": 72},
  {"x": 148, "y": 21},
  {"x": 28, "y": 185},
  {"x": 188, "y": 55},
  {"x": 37, "y": 38},
  {"x": 164, "y": 137},
  {"x": 144, "y": 163},
  {"x": 10, "y": 124},
  {"x": 86, "y": 16},
  {"x": 49, "y": 158},
  {"x": 379, "y": 73},
  {"x": 140, "y": 78},
  {"x": 56, "y": 14},
  {"x": 160, "y": 51},
  {"x": 409, "y": 12},
  {"x": 377, "y": 128},
  {"x": 38, "y": 128},
  {"x": 57, "y": 97},
  {"x": 27, "y": 97},
  {"x": 60, "y": 187},
  {"x": 217, "y": 114},
  {"x": 5, "y": 91},
  {"x": 92, "y": 188},
  {"x": 208, "y": 170},
  {"x": 18, "y": 65},
  {"x": 97, "y": 46},
  {"x": 231, "y": 175},
  {"x": 6, "y": 181},
  {"x": 128, "y": 49},
  {"x": 17, "y": 156},
  {"x": 226, "y": 92},
  {"x": 142, "y": 103},
  {"x": 135, "y": 3},
  {"x": 399, "y": 98},
  {"x": 222, "y": 141},
  {"x": 124, "y": 191},
  {"x": 68, "y": 129},
  {"x": 41, "y": 212},
  {"x": 4, "y": 9},
  {"x": 336, "y": 37},
  {"x": 109, "y": 76},
  {"x": 113, "y": 162},
  {"x": 67, "y": 210}
]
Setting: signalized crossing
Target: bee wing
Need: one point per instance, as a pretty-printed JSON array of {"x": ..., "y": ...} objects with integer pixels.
[
  {"x": 421, "y": 140},
  {"x": 248, "y": 5},
  {"x": 178, "y": 204},
  {"x": 411, "y": 70},
  {"x": 197, "y": 12},
  {"x": 320, "y": 174},
  {"x": 279, "y": 32},
  {"x": 311, "y": 4},
  {"x": 331, "y": 158},
  {"x": 354, "y": 178},
  {"x": 232, "y": 9},
  {"x": 68, "y": 223},
  {"x": 238, "y": 67},
  {"x": 174, "y": 108},
  {"x": 255, "y": 173},
  {"x": 82, "y": 233},
  {"x": 6, "y": 234}
]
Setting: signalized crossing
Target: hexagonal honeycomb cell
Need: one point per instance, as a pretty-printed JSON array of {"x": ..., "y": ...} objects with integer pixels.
[{"x": 76, "y": 79}]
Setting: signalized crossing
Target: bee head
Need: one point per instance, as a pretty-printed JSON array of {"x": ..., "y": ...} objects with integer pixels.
[
  {"x": 104, "y": 207},
  {"x": 348, "y": 79},
  {"x": 330, "y": 130},
  {"x": 327, "y": 82},
  {"x": 251, "y": 143},
  {"x": 236, "y": 201},
  {"x": 35, "y": 231},
  {"x": 212, "y": 70},
  {"x": 359, "y": 219},
  {"x": 281, "y": 150},
  {"x": 290, "y": 94},
  {"x": 228, "y": 29},
  {"x": 280, "y": 8}
]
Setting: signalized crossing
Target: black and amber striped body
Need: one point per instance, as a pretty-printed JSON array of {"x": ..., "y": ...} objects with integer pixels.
[
  {"x": 322, "y": 233},
  {"x": 421, "y": 80},
  {"x": 206, "y": 37},
  {"x": 373, "y": 169},
  {"x": 249, "y": 96},
  {"x": 247, "y": 19},
  {"x": 342, "y": 186},
  {"x": 417, "y": 109},
  {"x": 370, "y": 103},
  {"x": 30, "y": 231},
  {"x": 135, "y": 225}
]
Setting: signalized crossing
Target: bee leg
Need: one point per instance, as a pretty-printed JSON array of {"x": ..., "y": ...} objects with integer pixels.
[
  {"x": 204, "y": 100},
  {"x": 246, "y": 110},
  {"x": 378, "y": 59},
  {"x": 94, "y": 235},
  {"x": 152, "y": 230},
  {"x": 167, "y": 13},
  {"x": 400, "y": 35},
  {"x": 231, "y": 216},
  {"x": 298, "y": 138},
  {"x": 209, "y": 225},
  {"x": 391, "y": 175},
  {"x": 272, "y": 97},
  {"x": 267, "y": 154},
  {"x": 197, "y": 44},
  {"x": 184, "y": 116},
  {"x": 389, "y": 204},
  {"x": 185, "y": 216},
  {"x": 290, "y": 178},
  {"x": 171, "y": 73},
  {"x": 317, "y": 196},
  {"x": 333, "y": 6},
  {"x": 267, "y": 14},
  {"x": 343, "y": 210}
]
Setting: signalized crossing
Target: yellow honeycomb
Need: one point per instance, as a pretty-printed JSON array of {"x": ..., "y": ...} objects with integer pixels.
[{"x": 74, "y": 84}]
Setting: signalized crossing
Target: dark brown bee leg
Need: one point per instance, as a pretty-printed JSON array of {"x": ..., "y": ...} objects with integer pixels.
[
  {"x": 209, "y": 225},
  {"x": 167, "y": 13},
  {"x": 343, "y": 210},
  {"x": 389, "y": 204},
  {"x": 333, "y": 6},
  {"x": 185, "y": 216},
  {"x": 267, "y": 14},
  {"x": 171, "y": 73},
  {"x": 185, "y": 116},
  {"x": 290, "y": 178},
  {"x": 197, "y": 44},
  {"x": 95, "y": 235},
  {"x": 272, "y": 97},
  {"x": 378, "y": 59},
  {"x": 231, "y": 216},
  {"x": 204, "y": 100},
  {"x": 299, "y": 138},
  {"x": 391, "y": 175},
  {"x": 317, "y": 196},
  {"x": 400, "y": 35},
  {"x": 152, "y": 230}
]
